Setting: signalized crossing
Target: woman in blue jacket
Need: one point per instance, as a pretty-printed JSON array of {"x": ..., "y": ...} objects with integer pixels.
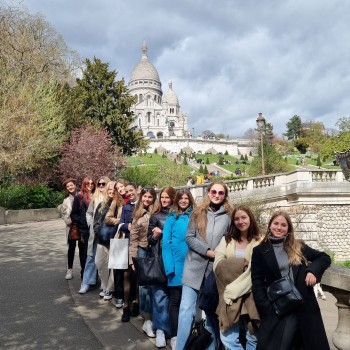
[{"x": 174, "y": 251}]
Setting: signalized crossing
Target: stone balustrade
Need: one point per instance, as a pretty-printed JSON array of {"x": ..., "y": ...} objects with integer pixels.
[{"x": 336, "y": 280}]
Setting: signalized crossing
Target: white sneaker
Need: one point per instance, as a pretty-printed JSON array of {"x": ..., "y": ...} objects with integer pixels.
[
  {"x": 69, "y": 274},
  {"x": 119, "y": 303},
  {"x": 102, "y": 293},
  {"x": 148, "y": 329},
  {"x": 108, "y": 295},
  {"x": 160, "y": 339},
  {"x": 83, "y": 288},
  {"x": 173, "y": 343}
]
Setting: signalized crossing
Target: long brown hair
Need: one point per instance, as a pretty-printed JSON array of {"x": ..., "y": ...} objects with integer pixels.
[
  {"x": 84, "y": 193},
  {"x": 171, "y": 192},
  {"x": 199, "y": 215},
  {"x": 234, "y": 233},
  {"x": 292, "y": 245},
  {"x": 138, "y": 211},
  {"x": 176, "y": 208}
]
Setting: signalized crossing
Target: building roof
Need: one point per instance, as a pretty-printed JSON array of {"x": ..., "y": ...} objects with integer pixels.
[
  {"x": 144, "y": 69},
  {"x": 170, "y": 97}
]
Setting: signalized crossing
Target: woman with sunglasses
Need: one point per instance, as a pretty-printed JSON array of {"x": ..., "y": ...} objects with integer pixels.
[
  {"x": 232, "y": 265},
  {"x": 138, "y": 246},
  {"x": 90, "y": 271},
  {"x": 209, "y": 223},
  {"x": 174, "y": 251},
  {"x": 78, "y": 215},
  {"x": 160, "y": 302}
]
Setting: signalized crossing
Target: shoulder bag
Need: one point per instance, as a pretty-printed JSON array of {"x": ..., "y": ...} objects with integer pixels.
[
  {"x": 208, "y": 299},
  {"x": 74, "y": 233},
  {"x": 118, "y": 252},
  {"x": 199, "y": 337},
  {"x": 284, "y": 295},
  {"x": 106, "y": 233},
  {"x": 150, "y": 269}
]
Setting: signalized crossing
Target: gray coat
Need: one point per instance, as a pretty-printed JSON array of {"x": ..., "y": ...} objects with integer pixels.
[{"x": 197, "y": 264}]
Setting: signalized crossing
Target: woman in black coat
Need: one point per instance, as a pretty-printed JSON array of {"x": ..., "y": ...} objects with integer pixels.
[
  {"x": 78, "y": 215},
  {"x": 278, "y": 255}
]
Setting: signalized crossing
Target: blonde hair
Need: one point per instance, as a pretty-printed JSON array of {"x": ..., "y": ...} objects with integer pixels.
[{"x": 292, "y": 245}]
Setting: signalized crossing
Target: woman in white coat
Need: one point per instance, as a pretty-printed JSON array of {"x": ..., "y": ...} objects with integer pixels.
[{"x": 66, "y": 208}]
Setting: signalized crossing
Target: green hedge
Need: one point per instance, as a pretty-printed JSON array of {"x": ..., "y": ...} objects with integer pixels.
[{"x": 17, "y": 197}]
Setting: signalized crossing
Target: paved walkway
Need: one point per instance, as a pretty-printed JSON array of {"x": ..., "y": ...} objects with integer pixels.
[{"x": 39, "y": 309}]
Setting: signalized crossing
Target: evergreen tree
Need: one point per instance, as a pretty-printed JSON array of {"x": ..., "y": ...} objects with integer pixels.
[
  {"x": 242, "y": 157},
  {"x": 185, "y": 161},
  {"x": 207, "y": 161},
  {"x": 226, "y": 153},
  {"x": 318, "y": 162},
  {"x": 246, "y": 157},
  {"x": 201, "y": 169},
  {"x": 205, "y": 170},
  {"x": 294, "y": 128},
  {"x": 105, "y": 102}
]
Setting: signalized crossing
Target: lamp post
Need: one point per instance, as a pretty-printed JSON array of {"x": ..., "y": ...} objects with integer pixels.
[
  {"x": 193, "y": 132},
  {"x": 260, "y": 122}
]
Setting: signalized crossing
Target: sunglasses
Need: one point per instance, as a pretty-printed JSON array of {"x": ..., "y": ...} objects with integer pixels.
[
  {"x": 90, "y": 183},
  {"x": 149, "y": 189},
  {"x": 219, "y": 193},
  {"x": 101, "y": 184}
]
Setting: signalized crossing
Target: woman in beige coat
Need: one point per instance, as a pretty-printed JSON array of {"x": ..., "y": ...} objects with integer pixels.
[{"x": 232, "y": 266}]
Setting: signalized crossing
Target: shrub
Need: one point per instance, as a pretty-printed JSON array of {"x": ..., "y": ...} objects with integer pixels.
[{"x": 38, "y": 196}]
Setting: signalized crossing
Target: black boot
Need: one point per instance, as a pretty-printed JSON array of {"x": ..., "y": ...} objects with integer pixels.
[
  {"x": 126, "y": 314},
  {"x": 134, "y": 310}
]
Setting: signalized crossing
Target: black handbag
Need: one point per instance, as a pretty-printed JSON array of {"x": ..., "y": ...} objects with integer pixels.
[
  {"x": 199, "y": 337},
  {"x": 106, "y": 233},
  {"x": 150, "y": 269},
  {"x": 208, "y": 295},
  {"x": 284, "y": 295}
]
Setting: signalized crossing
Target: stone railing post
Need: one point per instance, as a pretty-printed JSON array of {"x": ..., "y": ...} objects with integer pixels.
[{"x": 336, "y": 280}]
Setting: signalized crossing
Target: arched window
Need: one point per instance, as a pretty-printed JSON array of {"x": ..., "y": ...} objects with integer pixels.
[
  {"x": 140, "y": 98},
  {"x": 137, "y": 100},
  {"x": 159, "y": 135},
  {"x": 148, "y": 117}
]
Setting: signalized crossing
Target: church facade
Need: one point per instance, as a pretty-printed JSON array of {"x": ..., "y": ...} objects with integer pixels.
[
  {"x": 161, "y": 121},
  {"x": 158, "y": 116}
]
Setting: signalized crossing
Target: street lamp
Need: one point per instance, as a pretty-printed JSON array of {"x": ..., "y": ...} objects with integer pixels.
[
  {"x": 260, "y": 122},
  {"x": 192, "y": 132}
]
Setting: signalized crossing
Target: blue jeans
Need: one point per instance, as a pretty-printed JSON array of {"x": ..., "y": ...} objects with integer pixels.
[
  {"x": 188, "y": 310},
  {"x": 90, "y": 271},
  {"x": 145, "y": 293},
  {"x": 230, "y": 339},
  {"x": 160, "y": 304}
]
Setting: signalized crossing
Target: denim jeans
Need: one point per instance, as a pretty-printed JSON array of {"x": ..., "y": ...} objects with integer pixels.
[
  {"x": 230, "y": 339},
  {"x": 90, "y": 271},
  {"x": 145, "y": 293},
  {"x": 188, "y": 310},
  {"x": 160, "y": 308}
]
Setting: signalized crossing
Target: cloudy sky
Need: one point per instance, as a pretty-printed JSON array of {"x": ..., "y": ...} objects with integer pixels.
[{"x": 228, "y": 59}]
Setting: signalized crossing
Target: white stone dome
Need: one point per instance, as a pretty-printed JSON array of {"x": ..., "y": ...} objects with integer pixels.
[
  {"x": 144, "y": 69},
  {"x": 170, "y": 97}
]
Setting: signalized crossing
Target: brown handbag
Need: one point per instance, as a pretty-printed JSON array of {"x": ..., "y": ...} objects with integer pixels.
[{"x": 74, "y": 233}]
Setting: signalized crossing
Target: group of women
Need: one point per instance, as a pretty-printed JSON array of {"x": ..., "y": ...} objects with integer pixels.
[{"x": 198, "y": 244}]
